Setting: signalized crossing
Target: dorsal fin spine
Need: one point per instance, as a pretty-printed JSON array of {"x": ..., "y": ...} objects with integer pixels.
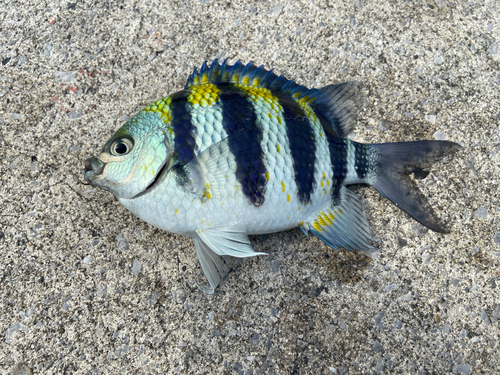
[
  {"x": 257, "y": 75},
  {"x": 267, "y": 79},
  {"x": 310, "y": 93},
  {"x": 294, "y": 91},
  {"x": 224, "y": 71},
  {"x": 214, "y": 71},
  {"x": 190, "y": 80},
  {"x": 278, "y": 83},
  {"x": 289, "y": 86},
  {"x": 204, "y": 68},
  {"x": 251, "y": 75},
  {"x": 204, "y": 77},
  {"x": 248, "y": 74},
  {"x": 234, "y": 73}
]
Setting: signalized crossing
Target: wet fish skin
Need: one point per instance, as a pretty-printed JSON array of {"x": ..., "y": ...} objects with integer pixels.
[{"x": 242, "y": 151}]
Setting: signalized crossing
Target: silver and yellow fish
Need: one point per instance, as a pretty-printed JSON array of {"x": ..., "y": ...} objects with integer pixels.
[{"x": 242, "y": 151}]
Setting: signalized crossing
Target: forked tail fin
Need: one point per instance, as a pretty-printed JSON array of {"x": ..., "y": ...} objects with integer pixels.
[{"x": 392, "y": 164}]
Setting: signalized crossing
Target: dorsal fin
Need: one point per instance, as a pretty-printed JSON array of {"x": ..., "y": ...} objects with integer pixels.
[
  {"x": 335, "y": 105},
  {"x": 248, "y": 74}
]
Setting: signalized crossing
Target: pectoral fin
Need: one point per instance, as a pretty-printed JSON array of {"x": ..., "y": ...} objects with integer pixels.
[
  {"x": 215, "y": 165},
  {"x": 229, "y": 163},
  {"x": 228, "y": 240},
  {"x": 213, "y": 266}
]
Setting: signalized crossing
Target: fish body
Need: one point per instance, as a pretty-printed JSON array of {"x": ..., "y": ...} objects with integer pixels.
[
  {"x": 280, "y": 184},
  {"x": 242, "y": 151}
]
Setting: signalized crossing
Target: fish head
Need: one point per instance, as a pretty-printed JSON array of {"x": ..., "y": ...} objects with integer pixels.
[{"x": 132, "y": 159}]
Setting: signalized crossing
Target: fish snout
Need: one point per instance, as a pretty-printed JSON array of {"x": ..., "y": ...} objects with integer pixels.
[{"x": 93, "y": 168}]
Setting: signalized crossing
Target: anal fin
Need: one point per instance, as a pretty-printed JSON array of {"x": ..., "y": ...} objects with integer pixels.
[{"x": 343, "y": 225}]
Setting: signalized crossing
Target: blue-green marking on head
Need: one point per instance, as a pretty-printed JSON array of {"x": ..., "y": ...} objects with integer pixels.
[{"x": 133, "y": 157}]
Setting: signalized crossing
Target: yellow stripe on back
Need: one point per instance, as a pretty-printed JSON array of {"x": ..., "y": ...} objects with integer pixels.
[
  {"x": 203, "y": 95},
  {"x": 162, "y": 107},
  {"x": 304, "y": 104},
  {"x": 263, "y": 96}
]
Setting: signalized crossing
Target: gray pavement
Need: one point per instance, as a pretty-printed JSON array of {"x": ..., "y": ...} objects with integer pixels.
[{"x": 86, "y": 287}]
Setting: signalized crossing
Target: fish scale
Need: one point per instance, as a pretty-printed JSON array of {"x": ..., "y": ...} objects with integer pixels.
[{"x": 243, "y": 151}]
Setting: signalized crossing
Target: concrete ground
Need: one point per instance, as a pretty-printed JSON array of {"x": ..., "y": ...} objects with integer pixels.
[{"x": 86, "y": 287}]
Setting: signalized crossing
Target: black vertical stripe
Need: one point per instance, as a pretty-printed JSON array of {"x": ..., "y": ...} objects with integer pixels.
[
  {"x": 361, "y": 161},
  {"x": 302, "y": 148},
  {"x": 239, "y": 117},
  {"x": 338, "y": 158},
  {"x": 182, "y": 124}
]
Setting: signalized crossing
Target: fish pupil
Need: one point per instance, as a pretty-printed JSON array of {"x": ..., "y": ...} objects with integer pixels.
[{"x": 121, "y": 148}]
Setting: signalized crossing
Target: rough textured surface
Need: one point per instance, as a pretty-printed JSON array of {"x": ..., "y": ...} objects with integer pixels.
[{"x": 88, "y": 288}]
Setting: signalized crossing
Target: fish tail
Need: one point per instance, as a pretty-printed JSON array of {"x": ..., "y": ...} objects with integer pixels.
[{"x": 391, "y": 166}]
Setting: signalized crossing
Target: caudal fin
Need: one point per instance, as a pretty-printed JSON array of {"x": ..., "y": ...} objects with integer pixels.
[{"x": 391, "y": 170}]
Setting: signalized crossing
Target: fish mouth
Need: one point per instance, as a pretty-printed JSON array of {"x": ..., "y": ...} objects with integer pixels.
[
  {"x": 93, "y": 169},
  {"x": 94, "y": 175}
]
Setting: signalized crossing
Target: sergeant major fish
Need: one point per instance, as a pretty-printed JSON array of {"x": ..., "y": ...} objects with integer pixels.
[{"x": 242, "y": 151}]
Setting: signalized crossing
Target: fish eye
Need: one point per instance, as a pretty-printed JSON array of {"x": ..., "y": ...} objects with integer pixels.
[{"x": 121, "y": 146}]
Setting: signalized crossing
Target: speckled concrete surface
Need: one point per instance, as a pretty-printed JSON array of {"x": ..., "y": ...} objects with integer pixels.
[{"x": 88, "y": 288}]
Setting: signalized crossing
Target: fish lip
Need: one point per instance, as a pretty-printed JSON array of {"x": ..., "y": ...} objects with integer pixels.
[{"x": 94, "y": 168}]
